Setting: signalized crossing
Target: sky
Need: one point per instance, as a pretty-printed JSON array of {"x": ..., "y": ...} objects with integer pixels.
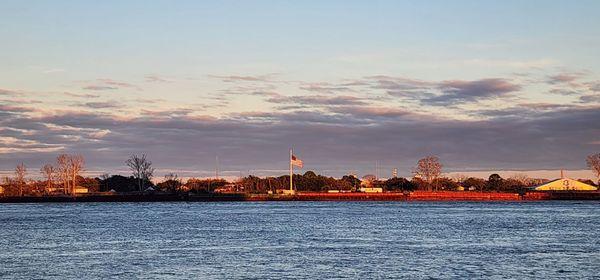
[{"x": 483, "y": 85}]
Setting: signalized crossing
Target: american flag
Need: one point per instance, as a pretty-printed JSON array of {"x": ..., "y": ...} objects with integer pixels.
[{"x": 296, "y": 161}]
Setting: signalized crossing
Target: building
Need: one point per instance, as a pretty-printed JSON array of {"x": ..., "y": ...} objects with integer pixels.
[
  {"x": 1, "y": 190},
  {"x": 79, "y": 189},
  {"x": 370, "y": 190},
  {"x": 565, "y": 184}
]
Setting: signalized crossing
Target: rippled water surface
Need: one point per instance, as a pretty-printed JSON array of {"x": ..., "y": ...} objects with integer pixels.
[{"x": 314, "y": 240}]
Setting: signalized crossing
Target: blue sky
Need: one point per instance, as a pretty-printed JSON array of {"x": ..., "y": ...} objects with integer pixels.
[{"x": 345, "y": 82}]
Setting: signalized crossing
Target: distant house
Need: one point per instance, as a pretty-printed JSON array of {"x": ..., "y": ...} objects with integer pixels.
[
  {"x": 370, "y": 190},
  {"x": 1, "y": 190},
  {"x": 285, "y": 191},
  {"x": 565, "y": 184},
  {"x": 80, "y": 189}
]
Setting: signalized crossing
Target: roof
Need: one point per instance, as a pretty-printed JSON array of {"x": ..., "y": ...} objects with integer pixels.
[{"x": 564, "y": 184}]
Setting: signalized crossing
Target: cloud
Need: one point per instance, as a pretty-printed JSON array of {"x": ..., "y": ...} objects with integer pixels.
[
  {"x": 318, "y": 100},
  {"x": 376, "y": 112},
  {"x": 443, "y": 93},
  {"x": 564, "y": 78},
  {"x": 344, "y": 136},
  {"x": 458, "y": 91},
  {"x": 102, "y": 105},
  {"x": 85, "y": 95},
  {"x": 157, "y": 79},
  {"x": 326, "y": 87},
  {"x": 109, "y": 84},
  {"x": 335, "y": 125},
  {"x": 98, "y": 87},
  {"x": 594, "y": 86},
  {"x": 53, "y": 70},
  {"x": 590, "y": 98},
  {"x": 8, "y": 92},
  {"x": 235, "y": 78}
]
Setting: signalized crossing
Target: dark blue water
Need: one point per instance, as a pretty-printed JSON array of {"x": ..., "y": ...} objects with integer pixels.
[{"x": 314, "y": 240}]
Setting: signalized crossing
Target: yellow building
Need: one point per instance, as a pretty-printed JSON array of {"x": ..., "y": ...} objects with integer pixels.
[
  {"x": 371, "y": 190},
  {"x": 565, "y": 184}
]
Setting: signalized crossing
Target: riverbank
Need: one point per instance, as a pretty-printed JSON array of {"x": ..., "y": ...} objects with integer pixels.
[{"x": 314, "y": 196}]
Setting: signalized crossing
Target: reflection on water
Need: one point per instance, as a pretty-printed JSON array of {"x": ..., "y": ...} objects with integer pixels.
[{"x": 300, "y": 240}]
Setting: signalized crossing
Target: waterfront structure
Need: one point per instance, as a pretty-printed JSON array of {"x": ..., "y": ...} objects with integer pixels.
[
  {"x": 80, "y": 189},
  {"x": 370, "y": 190},
  {"x": 1, "y": 190},
  {"x": 565, "y": 184}
]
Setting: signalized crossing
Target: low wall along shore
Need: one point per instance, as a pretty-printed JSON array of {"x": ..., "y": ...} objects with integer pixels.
[{"x": 314, "y": 196}]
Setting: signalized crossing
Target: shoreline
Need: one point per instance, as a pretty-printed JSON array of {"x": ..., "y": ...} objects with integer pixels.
[{"x": 314, "y": 196}]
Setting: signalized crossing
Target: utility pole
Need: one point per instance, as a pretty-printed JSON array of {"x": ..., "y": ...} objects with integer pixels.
[
  {"x": 217, "y": 167},
  {"x": 291, "y": 172}
]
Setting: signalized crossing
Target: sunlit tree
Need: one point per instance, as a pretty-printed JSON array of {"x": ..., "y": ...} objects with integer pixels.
[
  {"x": 20, "y": 173},
  {"x": 428, "y": 169},
  {"x": 48, "y": 172}
]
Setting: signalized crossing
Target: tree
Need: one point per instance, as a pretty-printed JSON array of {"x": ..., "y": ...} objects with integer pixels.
[
  {"x": 172, "y": 183},
  {"x": 473, "y": 183},
  {"x": 20, "y": 172},
  {"x": 63, "y": 170},
  {"x": 141, "y": 168},
  {"x": 68, "y": 168},
  {"x": 398, "y": 184},
  {"x": 10, "y": 186},
  {"x": 445, "y": 184},
  {"x": 350, "y": 180},
  {"x": 521, "y": 178},
  {"x": 428, "y": 169},
  {"x": 119, "y": 183},
  {"x": 92, "y": 184},
  {"x": 593, "y": 162},
  {"x": 48, "y": 172},
  {"x": 76, "y": 164},
  {"x": 495, "y": 182}
]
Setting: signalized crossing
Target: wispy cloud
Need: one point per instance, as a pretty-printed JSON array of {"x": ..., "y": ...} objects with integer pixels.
[
  {"x": 239, "y": 78},
  {"x": 108, "y": 84}
]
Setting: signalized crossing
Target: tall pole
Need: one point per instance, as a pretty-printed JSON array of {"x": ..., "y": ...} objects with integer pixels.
[
  {"x": 217, "y": 167},
  {"x": 291, "y": 171}
]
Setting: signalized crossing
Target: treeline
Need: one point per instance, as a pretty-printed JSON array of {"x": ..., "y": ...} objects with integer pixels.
[
  {"x": 310, "y": 182},
  {"x": 64, "y": 178}
]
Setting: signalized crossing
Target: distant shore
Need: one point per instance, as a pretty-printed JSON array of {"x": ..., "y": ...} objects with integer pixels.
[{"x": 315, "y": 196}]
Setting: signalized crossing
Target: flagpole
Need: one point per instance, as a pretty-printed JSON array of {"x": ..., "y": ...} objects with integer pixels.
[{"x": 291, "y": 171}]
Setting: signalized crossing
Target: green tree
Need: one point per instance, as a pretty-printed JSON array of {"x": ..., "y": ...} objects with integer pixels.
[{"x": 495, "y": 182}]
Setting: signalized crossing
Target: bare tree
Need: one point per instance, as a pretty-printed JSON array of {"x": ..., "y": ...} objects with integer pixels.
[
  {"x": 141, "y": 168},
  {"x": 69, "y": 167},
  {"x": 172, "y": 182},
  {"x": 428, "y": 169},
  {"x": 593, "y": 162},
  {"x": 49, "y": 172},
  {"x": 9, "y": 185},
  {"x": 63, "y": 170},
  {"x": 521, "y": 178},
  {"x": 76, "y": 165},
  {"x": 20, "y": 172}
]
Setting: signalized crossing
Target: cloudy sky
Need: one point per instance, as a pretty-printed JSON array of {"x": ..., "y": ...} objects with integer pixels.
[{"x": 483, "y": 85}]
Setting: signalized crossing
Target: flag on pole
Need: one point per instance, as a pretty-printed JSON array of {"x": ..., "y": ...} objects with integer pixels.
[{"x": 296, "y": 161}]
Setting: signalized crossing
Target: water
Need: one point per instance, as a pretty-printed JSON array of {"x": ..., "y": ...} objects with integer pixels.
[{"x": 314, "y": 240}]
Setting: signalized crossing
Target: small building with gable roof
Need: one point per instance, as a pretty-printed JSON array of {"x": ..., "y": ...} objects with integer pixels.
[{"x": 565, "y": 184}]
